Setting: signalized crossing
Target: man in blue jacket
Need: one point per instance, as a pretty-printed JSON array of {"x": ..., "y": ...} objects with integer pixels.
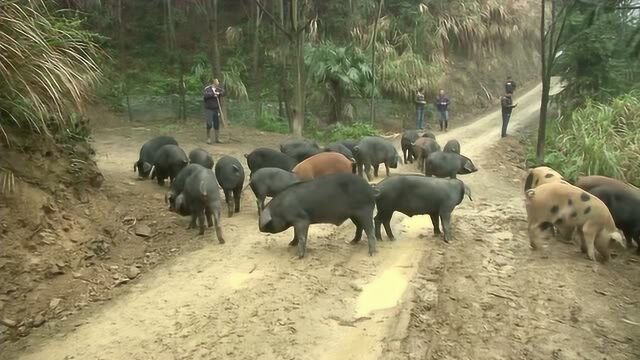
[
  {"x": 442, "y": 105},
  {"x": 212, "y": 94}
]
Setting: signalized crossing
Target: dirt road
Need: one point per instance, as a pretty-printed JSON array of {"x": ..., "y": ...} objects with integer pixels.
[{"x": 484, "y": 296}]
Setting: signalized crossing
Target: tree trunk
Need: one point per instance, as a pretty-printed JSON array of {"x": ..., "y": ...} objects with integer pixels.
[
  {"x": 255, "y": 9},
  {"x": 298, "y": 88},
  {"x": 373, "y": 61},
  {"x": 216, "y": 50},
  {"x": 336, "y": 103},
  {"x": 211, "y": 14},
  {"x": 544, "y": 101},
  {"x": 182, "y": 106}
]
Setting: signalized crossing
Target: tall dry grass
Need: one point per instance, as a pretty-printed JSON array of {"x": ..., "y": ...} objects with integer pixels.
[{"x": 48, "y": 66}]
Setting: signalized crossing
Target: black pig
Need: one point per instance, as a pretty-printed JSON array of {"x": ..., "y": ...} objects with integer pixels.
[
  {"x": 148, "y": 154},
  {"x": 202, "y": 157},
  {"x": 270, "y": 182},
  {"x": 169, "y": 160},
  {"x": 418, "y": 195},
  {"x": 329, "y": 199},
  {"x": 230, "y": 175},
  {"x": 448, "y": 164}
]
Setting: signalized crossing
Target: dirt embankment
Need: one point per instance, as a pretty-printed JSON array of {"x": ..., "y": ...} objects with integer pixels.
[{"x": 485, "y": 295}]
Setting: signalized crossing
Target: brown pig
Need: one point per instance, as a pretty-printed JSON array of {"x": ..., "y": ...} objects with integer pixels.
[
  {"x": 567, "y": 205},
  {"x": 323, "y": 163},
  {"x": 541, "y": 175}
]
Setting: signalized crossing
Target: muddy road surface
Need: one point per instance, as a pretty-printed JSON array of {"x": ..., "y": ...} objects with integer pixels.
[{"x": 485, "y": 295}]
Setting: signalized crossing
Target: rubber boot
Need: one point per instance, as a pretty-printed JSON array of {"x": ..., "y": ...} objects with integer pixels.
[
  {"x": 208, "y": 136},
  {"x": 216, "y": 133}
]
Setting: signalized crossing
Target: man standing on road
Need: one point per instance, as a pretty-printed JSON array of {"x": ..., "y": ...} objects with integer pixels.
[
  {"x": 420, "y": 103},
  {"x": 442, "y": 105},
  {"x": 507, "y": 107},
  {"x": 510, "y": 85},
  {"x": 212, "y": 95}
]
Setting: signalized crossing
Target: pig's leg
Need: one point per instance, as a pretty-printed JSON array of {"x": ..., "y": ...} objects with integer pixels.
[
  {"x": 386, "y": 167},
  {"x": 376, "y": 167},
  {"x": 380, "y": 218},
  {"x": 435, "y": 220},
  {"x": 236, "y": 198},
  {"x": 583, "y": 244},
  {"x": 216, "y": 217},
  {"x": 590, "y": 233},
  {"x": 359, "y": 229},
  {"x": 301, "y": 230},
  {"x": 602, "y": 246},
  {"x": 228, "y": 197},
  {"x": 367, "y": 171},
  {"x": 201, "y": 222},
  {"x": 207, "y": 213},
  {"x": 194, "y": 216},
  {"x": 445, "y": 216},
  {"x": 260, "y": 204},
  {"x": 367, "y": 224}
]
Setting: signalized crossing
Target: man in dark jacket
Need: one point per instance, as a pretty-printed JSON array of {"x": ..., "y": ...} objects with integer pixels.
[
  {"x": 442, "y": 105},
  {"x": 420, "y": 103},
  {"x": 507, "y": 107},
  {"x": 212, "y": 94},
  {"x": 509, "y": 86}
]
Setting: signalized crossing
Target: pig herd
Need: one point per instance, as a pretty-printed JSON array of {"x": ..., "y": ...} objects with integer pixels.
[{"x": 313, "y": 185}]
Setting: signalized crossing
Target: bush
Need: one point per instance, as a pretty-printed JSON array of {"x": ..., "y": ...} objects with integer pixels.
[
  {"x": 340, "y": 131},
  {"x": 48, "y": 66},
  {"x": 598, "y": 139},
  {"x": 272, "y": 123}
]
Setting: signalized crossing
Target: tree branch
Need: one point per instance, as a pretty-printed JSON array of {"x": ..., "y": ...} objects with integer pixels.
[{"x": 274, "y": 21}]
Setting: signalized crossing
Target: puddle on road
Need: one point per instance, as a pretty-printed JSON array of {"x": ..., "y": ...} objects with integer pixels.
[
  {"x": 387, "y": 289},
  {"x": 382, "y": 293}
]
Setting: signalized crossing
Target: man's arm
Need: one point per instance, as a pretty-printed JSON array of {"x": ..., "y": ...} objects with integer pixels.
[
  {"x": 220, "y": 92},
  {"x": 208, "y": 93}
]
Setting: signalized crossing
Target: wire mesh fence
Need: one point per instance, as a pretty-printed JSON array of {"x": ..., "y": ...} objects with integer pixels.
[{"x": 143, "y": 108}]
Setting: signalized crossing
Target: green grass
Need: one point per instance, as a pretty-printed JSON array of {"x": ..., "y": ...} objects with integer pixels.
[
  {"x": 338, "y": 131},
  {"x": 272, "y": 123},
  {"x": 598, "y": 139}
]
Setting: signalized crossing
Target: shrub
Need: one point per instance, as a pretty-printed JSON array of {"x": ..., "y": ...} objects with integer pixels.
[
  {"x": 272, "y": 122},
  {"x": 598, "y": 139},
  {"x": 341, "y": 131},
  {"x": 48, "y": 66}
]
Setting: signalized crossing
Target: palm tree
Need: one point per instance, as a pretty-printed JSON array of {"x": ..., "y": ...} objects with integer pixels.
[{"x": 340, "y": 72}]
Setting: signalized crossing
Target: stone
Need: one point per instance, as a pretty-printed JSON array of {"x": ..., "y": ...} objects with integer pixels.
[
  {"x": 54, "y": 303},
  {"x": 133, "y": 272},
  {"x": 143, "y": 230},
  {"x": 8, "y": 322},
  {"x": 54, "y": 270},
  {"x": 38, "y": 320}
]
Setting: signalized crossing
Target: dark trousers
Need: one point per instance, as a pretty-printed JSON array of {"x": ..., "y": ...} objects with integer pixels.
[
  {"x": 506, "y": 116},
  {"x": 212, "y": 118}
]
